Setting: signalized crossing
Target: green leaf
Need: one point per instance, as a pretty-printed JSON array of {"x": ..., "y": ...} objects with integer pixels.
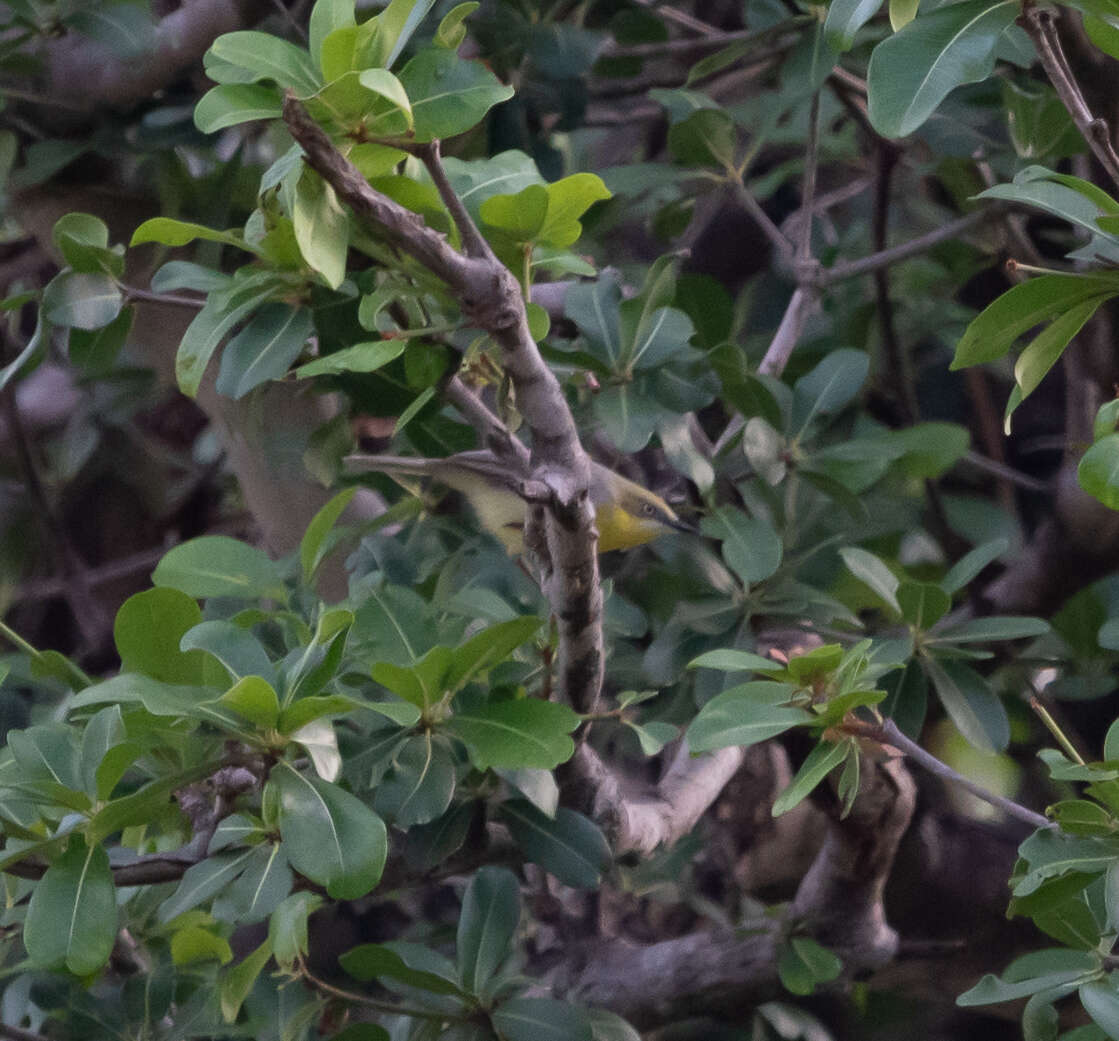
[
  {"x": 451, "y": 31},
  {"x": 608, "y": 1026},
  {"x": 238, "y": 981},
  {"x": 373, "y": 961},
  {"x": 568, "y": 846},
  {"x": 72, "y": 916},
  {"x": 872, "y": 572},
  {"x": 82, "y": 301},
  {"x": 1020, "y": 308},
  {"x": 1100, "y": 999},
  {"x": 991, "y": 990},
  {"x": 705, "y": 138},
  {"x": 204, "y": 880},
  {"x": 548, "y": 213},
  {"x": 83, "y": 241},
  {"x": 420, "y": 784},
  {"x": 255, "y": 699},
  {"x": 541, "y": 1019},
  {"x": 750, "y": 545},
  {"x": 96, "y": 350},
  {"x": 232, "y": 103},
  {"x": 329, "y": 835},
  {"x": 745, "y": 715},
  {"x": 1098, "y": 471},
  {"x": 171, "y": 232},
  {"x": 832, "y": 385},
  {"x": 216, "y": 565},
  {"x": 222, "y": 311},
  {"x": 1045, "y": 349},
  {"x": 491, "y": 909},
  {"x": 147, "y": 632},
  {"x": 922, "y": 604},
  {"x": 237, "y": 649},
  {"x": 104, "y": 733},
  {"x": 321, "y": 227},
  {"x": 196, "y": 944},
  {"x": 971, "y": 704},
  {"x": 845, "y": 18},
  {"x": 804, "y": 963},
  {"x": 361, "y": 357},
  {"x": 993, "y": 627},
  {"x": 264, "y": 885},
  {"x": 315, "y": 545},
  {"x": 287, "y": 927},
  {"x": 487, "y": 649},
  {"x": 913, "y": 71},
  {"x": 820, "y": 762},
  {"x": 268, "y": 57},
  {"x": 526, "y": 732},
  {"x": 449, "y": 94},
  {"x": 264, "y": 349},
  {"x": 730, "y": 660},
  {"x": 971, "y": 564}
]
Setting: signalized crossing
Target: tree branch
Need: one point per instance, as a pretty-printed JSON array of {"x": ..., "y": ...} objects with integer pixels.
[
  {"x": 641, "y": 821},
  {"x": 887, "y": 733},
  {"x": 724, "y": 973},
  {"x": 1039, "y": 23},
  {"x": 491, "y": 299}
]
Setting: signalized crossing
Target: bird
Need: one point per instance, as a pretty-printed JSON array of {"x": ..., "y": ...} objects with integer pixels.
[{"x": 626, "y": 514}]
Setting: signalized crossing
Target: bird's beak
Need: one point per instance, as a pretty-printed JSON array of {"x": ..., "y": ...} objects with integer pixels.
[{"x": 684, "y": 526}]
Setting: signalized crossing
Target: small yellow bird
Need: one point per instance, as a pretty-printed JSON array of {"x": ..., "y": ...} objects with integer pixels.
[{"x": 626, "y": 514}]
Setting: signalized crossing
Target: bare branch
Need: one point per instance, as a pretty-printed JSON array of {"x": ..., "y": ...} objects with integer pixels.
[
  {"x": 1040, "y": 25},
  {"x": 887, "y": 733}
]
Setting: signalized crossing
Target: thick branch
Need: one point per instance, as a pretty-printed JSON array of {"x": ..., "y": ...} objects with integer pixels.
[
  {"x": 88, "y": 75},
  {"x": 641, "y": 821},
  {"x": 491, "y": 299},
  {"x": 725, "y": 973}
]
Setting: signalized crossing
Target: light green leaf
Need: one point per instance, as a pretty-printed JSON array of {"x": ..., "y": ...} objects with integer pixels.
[
  {"x": 322, "y": 228},
  {"x": 171, "y": 232},
  {"x": 231, "y": 103},
  {"x": 238, "y": 981},
  {"x": 451, "y": 31},
  {"x": 361, "y": 357},
  {"x": 216, "y": 565},
  {"x": 268, "y": 57}
]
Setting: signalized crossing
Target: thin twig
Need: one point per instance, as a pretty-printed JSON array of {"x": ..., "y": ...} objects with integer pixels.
[
  {"x": 680, "y": 18},
  {"x": 1042, "y": 29},
  {"x": 136, "y": 293},
  {"x": 775, "y": 235},
  {"x": 709, "y": 42},
  {"x": 808, "y": 192},
  {"x": 887, "y": 733},
  {"x": 905, "y": 250},
  {"x": 388, "y": 1007}
]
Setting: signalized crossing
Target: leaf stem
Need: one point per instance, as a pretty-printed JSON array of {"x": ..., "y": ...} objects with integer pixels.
[{"x": 1051, "y": 725}]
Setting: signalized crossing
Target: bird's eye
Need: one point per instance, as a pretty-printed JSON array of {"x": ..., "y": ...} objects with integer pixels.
[{"x": 647, "y": 509}]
